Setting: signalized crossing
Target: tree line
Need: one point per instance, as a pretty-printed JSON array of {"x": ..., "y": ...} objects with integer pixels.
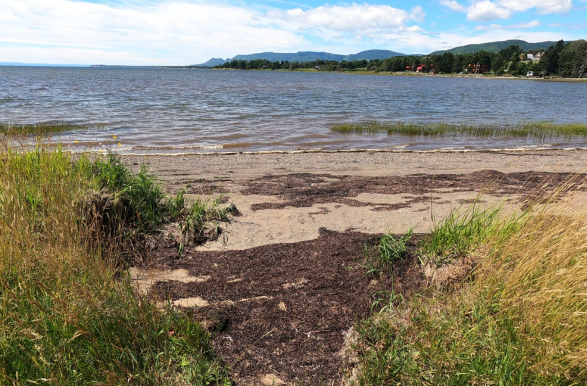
[{"x": 560, "y": 59}]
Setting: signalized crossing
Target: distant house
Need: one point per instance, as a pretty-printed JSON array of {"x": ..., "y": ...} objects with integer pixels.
[
  {"x": 317, "y": 67},
  {"x": 478, "y": 68},
  {"x": 408, "y": 68},
  {"x": 533, "y": 57},
  {"x": 421, "y": 68}
]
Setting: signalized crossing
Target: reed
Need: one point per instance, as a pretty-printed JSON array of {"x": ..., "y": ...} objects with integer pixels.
[
  {"x": 541, "y": 130},
  {"x": 40, "y": 128}
]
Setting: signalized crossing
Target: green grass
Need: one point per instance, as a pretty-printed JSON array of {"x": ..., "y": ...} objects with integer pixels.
[
  {"x": 39, "y": 128},
  {"x": 541, "y": 130},
  {"x": 68, "y": 314},
  {"x": 145, "y": 204},
  {"x": 518, "y": 318},
  {"x": 393, "y": 248},
  {"x": 459, "y": 234}
]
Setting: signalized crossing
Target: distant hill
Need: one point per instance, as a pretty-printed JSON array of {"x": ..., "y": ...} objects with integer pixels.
[
  {"x": 211, "y": 63},
  {"x": 372, "y": 55},
  {"x": 305, "y": 56},
  {"x": 496, "y": 47}
]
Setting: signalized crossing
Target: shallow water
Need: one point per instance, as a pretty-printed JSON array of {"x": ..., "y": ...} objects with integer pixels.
[{"x": 192, "y": 111}]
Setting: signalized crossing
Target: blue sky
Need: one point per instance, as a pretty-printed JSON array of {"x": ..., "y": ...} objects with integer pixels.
[{"x": 179, "y": 32}]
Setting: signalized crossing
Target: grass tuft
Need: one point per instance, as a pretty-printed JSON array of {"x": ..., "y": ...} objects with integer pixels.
[
  {"x": 393, "y": 248},
  {"x": 463, "y": 230}
]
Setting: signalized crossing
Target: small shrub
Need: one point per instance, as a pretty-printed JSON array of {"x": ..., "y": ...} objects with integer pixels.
[{"x": 393, "y": 248}]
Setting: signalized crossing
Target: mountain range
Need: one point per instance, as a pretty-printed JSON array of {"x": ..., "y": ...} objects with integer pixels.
[
  {"x": 307, "y": 56},
  {"x": 496, "y": 47}
]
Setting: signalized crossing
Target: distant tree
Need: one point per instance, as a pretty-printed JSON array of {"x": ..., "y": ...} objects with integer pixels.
[
  {"x": 510, "y": 51},
  {"x": 550, "y": 58},
  {"x": 579, "y": 67},
  {"x": 497, "y": 63},
  {"x": 445, "y": 62},
  {"x": 513, "y": 64},
  {"x": 457, "y": 65}
]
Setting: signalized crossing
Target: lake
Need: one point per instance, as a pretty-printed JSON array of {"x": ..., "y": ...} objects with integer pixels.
[{"x": 193, "y": 111}]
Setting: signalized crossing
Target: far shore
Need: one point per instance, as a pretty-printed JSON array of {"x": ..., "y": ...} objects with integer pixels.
[{"x": 466, "y": 76}]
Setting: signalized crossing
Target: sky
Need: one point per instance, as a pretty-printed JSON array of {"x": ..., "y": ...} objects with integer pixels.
[{"x": 183, "y": 32}]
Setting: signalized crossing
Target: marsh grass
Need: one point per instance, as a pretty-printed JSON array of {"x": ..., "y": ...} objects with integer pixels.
[
  {"x": 540, "y": 130},
  {"x": 519, "y": 318},
  {"x": 39, "y": 128},
  {"x": 68, "y": 314}
]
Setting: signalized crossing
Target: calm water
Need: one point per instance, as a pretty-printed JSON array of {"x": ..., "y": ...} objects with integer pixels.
[{"x": 182, "y": 111}]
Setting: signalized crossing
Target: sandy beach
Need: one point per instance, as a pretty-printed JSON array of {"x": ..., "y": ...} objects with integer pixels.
[
  {"x": 284, "y": 282},
  {"x": 287, "y": 197}
]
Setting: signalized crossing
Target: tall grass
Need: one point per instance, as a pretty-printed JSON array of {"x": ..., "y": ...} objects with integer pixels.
[
  {"x": 541, "y": 130},
  {"x": 39, "y": 128},
  {"x": 519, "y": 319},
  {"x": 65, "y": 318}
]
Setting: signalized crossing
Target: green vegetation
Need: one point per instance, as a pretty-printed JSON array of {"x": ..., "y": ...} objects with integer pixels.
[
  {"x": 542, "y": 130},
  {"x": 39, "y": 128},
  {"x": 459, "y": 234},
  {"x": 196, "y": 219},
  {"x": 560, "y": 59},
  {"x": 393, "y": 248},
  {"x": 68, "y": 315},
  {"x": 141, "y": 201},
  {"x": 518, "y": 318}
]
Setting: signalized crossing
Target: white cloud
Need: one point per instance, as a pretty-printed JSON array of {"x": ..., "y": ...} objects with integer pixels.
[
  {"x": 542, "y": 6},
  {"x": 454, "y": 5},
  {"x": 492, "y": 27},
  {"x": 175, "y": 32},
  {"x": 181, "y": 31},
  {"x": 192, "y": 31},
  {"x": 487, "y": 10},
  {"x": 418, "y": 14},
  {"x": 351, "y": 18}
]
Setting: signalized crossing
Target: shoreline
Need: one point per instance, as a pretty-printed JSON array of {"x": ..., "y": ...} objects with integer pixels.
[
  {"x": 366, "y": 150},
  {"x": 366, "y": 161},
  {"x": 464, "y": 76}
]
